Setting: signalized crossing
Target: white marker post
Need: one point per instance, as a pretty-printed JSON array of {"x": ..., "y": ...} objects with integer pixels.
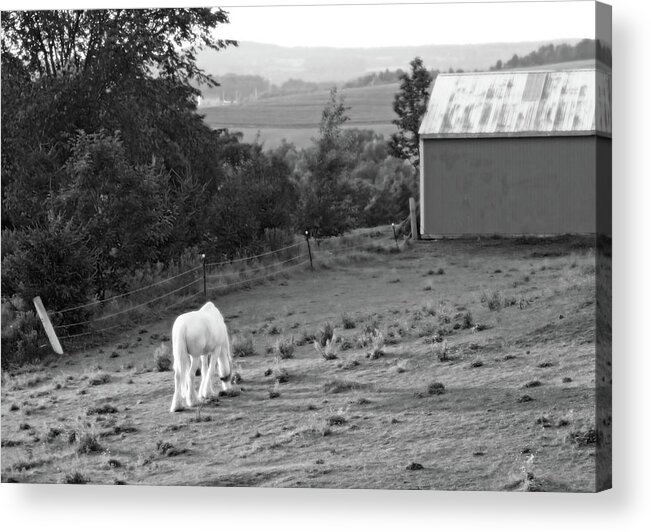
[{"x": 47, "y": 325}]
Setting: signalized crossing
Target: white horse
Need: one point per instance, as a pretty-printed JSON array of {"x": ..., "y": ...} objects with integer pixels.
[{"x": 199, "y": 334}]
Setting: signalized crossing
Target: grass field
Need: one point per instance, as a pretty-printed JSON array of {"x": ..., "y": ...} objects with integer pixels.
[
  {"x": 296, "y": 118},
  {"x": 507, "y": 329}
]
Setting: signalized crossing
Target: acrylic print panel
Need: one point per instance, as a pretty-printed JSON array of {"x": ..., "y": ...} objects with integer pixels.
[{"x": 374, "y": 259}]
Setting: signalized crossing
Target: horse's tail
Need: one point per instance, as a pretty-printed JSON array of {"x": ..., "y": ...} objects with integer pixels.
[{"x": 226, "y": 359}]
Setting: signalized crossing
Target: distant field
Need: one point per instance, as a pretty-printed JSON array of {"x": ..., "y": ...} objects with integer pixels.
[{"x": 296, "y": 118}]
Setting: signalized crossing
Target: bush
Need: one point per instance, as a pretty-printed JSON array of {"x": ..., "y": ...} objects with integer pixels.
[
  {"x": 441, "y": 351},
  {"x": 284, "y": 348},
  {"x": 163, "y": 358},
  {"x": 243, "y": 347},
  {"x": 75, "y": 478},
  {"x": 52, "y": 262},
  {"x": 467, "y": 321},
  {"x": 347, "y": 321},
  {"x": 325, "y": 334},
  {"x": 435, "y": 388},
  {"x": 492, "y": 300},
  {"x": 88, "y": 444},
  {"x": 22, "y": 333}
]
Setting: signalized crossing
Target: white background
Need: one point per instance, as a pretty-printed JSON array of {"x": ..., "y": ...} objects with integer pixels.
[{"x": 626, "y": 507}]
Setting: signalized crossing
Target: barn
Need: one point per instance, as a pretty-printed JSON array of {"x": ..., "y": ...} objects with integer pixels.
[{"x": 517, "y": 153}]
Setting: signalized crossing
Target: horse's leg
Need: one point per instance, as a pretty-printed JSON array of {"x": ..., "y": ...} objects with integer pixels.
[
  {"x": 205, "y": 389},
  {"x": 210, "y": 389},
  {"x": 180, "y": 370},
  {"x": 191, "y": 396}
]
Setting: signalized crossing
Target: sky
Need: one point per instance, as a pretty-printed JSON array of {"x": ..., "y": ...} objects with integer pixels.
[
  {"x": 380, "y": 24},
  {"x": 409, "y": 24}
]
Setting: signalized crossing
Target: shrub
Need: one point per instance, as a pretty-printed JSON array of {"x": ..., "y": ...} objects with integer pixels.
[
  {"x": 466, "y": 320},
  {"x": 444, "y": 313},
  {"x": 304, "y": 338},
  {"x": 329, "y": 352},
  {"x": 99, "y": 378},
  {"x": 441, "y": 351},
  {"x": 75, "y": 478},
  {"x": 429, "y": 308},
  {"x": 584, "y": 437},
  {"x": 492, "y": 301},
  {"x": 101, "y": 410},
  {"x": 284, "y": 348},
  {"x": 340, "y": 386},
  {"x": 376, "y": 341},
  {"x": 162, "y": 358},
  {"x": 435, "y": 388},
  {"x": 325, "y": 333},
  {"x": 22, "y": 334},
  {"x": 52, "y": 262},
  {"x": 88, "y": 443},
  {"x": 347, "y": 321},
  {"x": 243, "y": 347}
]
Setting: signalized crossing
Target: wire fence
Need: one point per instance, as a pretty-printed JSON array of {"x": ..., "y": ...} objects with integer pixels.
[
  {"x": 107, "y": 314},
  {"x": 206, "y": 279}
]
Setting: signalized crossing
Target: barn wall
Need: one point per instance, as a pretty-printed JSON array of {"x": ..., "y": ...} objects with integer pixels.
[
  {"x": 531, "y": 185},
  {"x": 604, "y": 186}
]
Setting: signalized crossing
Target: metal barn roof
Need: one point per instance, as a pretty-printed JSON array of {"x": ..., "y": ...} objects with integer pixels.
[{"x": 517, "y": 103}]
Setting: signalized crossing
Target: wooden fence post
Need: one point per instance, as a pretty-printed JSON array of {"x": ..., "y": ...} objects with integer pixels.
[
  {"x": 47, "y": 325},
  {"x": 205, "y": 291},
  {"x": 414, "y": 221},
  {"x": 309, "y": 249}
]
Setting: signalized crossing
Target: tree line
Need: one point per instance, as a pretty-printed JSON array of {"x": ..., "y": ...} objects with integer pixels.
[{"x": 560, "y": 53}]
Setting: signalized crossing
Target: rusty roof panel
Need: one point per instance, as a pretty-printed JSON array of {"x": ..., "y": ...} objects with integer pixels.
[{"x": 517, "y": 103}]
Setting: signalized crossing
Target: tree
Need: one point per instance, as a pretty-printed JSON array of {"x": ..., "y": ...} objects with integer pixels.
[
  {"x": 122, "y": 208},
  {"x": 410, "y": 104},
  {"x": 328, "y": 197},
  {"x": 129, "y": 70}
]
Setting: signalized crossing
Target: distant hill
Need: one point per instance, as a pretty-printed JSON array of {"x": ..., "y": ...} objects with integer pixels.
[{"x": 279, "y": 63}]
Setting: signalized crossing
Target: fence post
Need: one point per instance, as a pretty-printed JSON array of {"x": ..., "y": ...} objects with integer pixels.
[
  {"x": 47, "y": 325},
  {"x": 414, "y": 223},
  {"x": 393, "y": 226},
  {"x": 309, "y": 249},
  {"x": 205, "y": 291}
]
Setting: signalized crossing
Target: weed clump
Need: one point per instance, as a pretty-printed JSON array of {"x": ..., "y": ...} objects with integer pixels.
[
  {"x": 75, "y": 478},
  {"x": 99, "y": 378},
  {"x": 88, "y": 443},
  {"x": 347, "y": 321},
  {"x": 467, "y": 321},
  {"x": 273, "y": 394},
  {"x": 435, "y": 388},
  {"x": 336, "y": 420},
  {"x": 414, "y": 466},
  {"x": 162, "y": 358},
  {"x": 243, "y": 347},
  {"x": 373, "y": 341},
  {"x": 441, "y": 351},
  {"x": 340, "y": 386},
  {"x": 284, "y": 348},
  {"x": 583, "y": 438},
  {"x": 492, "y": 301},
  {"x": 325, "y": 333},
  {"x": 101, "y": 410}
]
